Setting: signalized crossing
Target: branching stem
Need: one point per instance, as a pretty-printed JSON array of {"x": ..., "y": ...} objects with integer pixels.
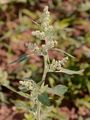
[{"x": 42, "y": 83}]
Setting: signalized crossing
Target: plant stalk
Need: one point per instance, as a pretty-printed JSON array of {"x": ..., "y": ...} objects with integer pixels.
[
  {"x": 45, "y": 69},
  {"x": 42, "y": 83},
  {"x": 38, "y": 111}
]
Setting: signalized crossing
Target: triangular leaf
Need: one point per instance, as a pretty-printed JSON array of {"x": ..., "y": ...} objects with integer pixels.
[
  {"x": 44, "y": 99},
  {"x": 58, "y": 90}
]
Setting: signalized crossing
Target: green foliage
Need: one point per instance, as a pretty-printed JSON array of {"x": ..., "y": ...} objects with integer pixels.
[
  {"x": 62, "y": 32},
  {"x": 58, "y": 90},
  {"x": 38, "y": 92},
  {"x": 85, "y": 6},
  {"x": 3, "y": 78},
  {"x": 28, "y": 117},
  {"x": 43, "y": 98}
]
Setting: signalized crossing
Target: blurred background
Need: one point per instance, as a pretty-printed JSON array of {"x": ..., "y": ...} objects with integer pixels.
[{"x": 71, "y": 18}]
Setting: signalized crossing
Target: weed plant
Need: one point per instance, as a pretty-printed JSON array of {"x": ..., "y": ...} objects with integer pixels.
[{"x": 38, "y": 93}]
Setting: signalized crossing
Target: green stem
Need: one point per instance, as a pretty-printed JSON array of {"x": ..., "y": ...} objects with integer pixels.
[
  {"x": 45, "y": 69},
  {"x": 38, "y": 111},
  {"x": 42, "y": 83},
  {"x": 44, "y": 72}
]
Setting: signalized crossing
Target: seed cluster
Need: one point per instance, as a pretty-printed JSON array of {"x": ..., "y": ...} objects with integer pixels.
[
  {"x": 56, "y": 65},
  {"x": 46, "y": 33},
  {"x": 29, "y": 84}
]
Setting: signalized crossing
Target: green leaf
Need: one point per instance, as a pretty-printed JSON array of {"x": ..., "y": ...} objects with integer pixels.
[
  {"x": 65, "y": 22},
  {"x": 83, "y": 102},
  {"x": 71, "y": 72},
  {"x": 44, "y": 99},
  {"x": 3, "y": 98},
  {"x": 58, "y": 90},
  {"x": 19, "y": 93},
  {"x": 20, "y": 59},
  {"x": 85, "y": 6},
  {"x": 21, "y": 104}
]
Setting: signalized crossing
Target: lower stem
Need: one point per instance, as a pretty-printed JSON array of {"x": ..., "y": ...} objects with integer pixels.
[
  {"x": 42, "y": 83},
  {"x": 38, "y": 111}
]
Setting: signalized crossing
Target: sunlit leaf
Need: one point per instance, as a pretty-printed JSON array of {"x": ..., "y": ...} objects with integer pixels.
[
  {"x": 3, "y": 98},
  {"x": 83, "y": 102},
  {"x": 71, "y": 72},
  {"x": 85, "y": 6},
  {"x": 58, "y": 90}
]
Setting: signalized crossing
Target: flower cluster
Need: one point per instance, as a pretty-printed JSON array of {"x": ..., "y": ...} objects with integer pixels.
[
  {"x": 28, "y": 84},
  {"x": 46, "y": 33},
  {"x": 56, "y": 65}
]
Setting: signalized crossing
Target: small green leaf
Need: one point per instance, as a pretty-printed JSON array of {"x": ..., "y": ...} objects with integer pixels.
[
  {"x": 58, "y": 90},
  {"x": 20, "y": 59},
  {"x": 44, "y": 99},
  {"x": 21, "y": 104},
  {"x": 3, "y": 98},
  {"x": 71, "y": 72},
  {"x": 23, "y": 89}
]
